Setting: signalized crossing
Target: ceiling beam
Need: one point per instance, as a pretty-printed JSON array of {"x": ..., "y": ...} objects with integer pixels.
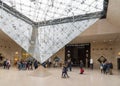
[
  {"x": 105, "y": 8},
  {"x": 71, "y": 19},
  {"x": 101, "y": 15}
]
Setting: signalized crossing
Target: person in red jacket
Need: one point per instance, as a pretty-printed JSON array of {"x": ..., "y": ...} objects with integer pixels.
[{"x": 81, "y": 67}]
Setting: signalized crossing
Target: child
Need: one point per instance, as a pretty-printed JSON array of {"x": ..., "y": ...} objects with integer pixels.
[{"x": 64, "y": 72}]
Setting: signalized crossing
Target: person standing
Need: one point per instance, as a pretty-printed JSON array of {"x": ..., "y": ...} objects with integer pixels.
[
  {"x": 5, "y": 64},
  {"x": 69, "y": 64},
  {"x": 101, "y": 66},
  {"x": 111, "y": 67},
  {"x": 91, "y": 63},
  {"x": 35, "y": 64},
  {"x": 8, "y": 64}
]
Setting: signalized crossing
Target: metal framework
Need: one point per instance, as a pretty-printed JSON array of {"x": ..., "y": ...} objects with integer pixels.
[
  {"x": 101, "y": 14},
  {"x": 14, "y": 12},
  {"x": 71, "y": 19}
]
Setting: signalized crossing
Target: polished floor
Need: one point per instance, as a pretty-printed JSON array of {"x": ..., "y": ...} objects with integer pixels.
[{"x": 14, "y": 77}]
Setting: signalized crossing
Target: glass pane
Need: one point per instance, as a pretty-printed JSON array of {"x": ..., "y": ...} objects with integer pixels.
[{"x": 44, "y": 9}]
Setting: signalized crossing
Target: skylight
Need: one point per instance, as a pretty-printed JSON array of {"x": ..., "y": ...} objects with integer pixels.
[{"x": 43, "y": 10}]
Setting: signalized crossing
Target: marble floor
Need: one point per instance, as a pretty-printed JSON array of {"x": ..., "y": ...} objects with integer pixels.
[{"x": 14, "y": 77}]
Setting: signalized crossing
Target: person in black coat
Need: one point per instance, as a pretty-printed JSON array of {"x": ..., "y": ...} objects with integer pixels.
[{"x": 35, "y": 64}]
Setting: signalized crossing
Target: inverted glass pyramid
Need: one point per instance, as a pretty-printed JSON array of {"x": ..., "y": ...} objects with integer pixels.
[{"x": 43, "y": 41}]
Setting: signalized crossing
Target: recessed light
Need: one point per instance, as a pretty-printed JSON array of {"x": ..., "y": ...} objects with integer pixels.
[
  {"x": 104, "y": 40},
  {"x": 110, "y": 40}
]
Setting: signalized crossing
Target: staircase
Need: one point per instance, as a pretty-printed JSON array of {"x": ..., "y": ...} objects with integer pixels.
[{"x": 41, "y": 42}]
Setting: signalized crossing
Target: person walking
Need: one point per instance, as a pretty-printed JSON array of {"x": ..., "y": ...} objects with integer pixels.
[
  {"x": 64, "y": 72},
  {"x": 81, "y": 67}
]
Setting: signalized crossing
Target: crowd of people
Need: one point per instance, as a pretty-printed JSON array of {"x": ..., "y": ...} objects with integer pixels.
[
  {"x": 22, "y": 64},
  {"x": 106, "y": 67},
  {"x": 27, "y": 65}
]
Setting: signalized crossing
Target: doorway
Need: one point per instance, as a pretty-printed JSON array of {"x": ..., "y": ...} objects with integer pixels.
[
  {"x": 82, "y": 55},
  {"x": 77, "y": 52},
  {"x": 118, "y": 63}
]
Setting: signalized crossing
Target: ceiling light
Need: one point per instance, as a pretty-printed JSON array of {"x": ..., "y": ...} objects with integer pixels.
[
  {"x": 118, "y": 53},
  {"x": 16, "y": 52},
  {"x": 104, "y": 40},
  {"x": 110, "y": 40}
]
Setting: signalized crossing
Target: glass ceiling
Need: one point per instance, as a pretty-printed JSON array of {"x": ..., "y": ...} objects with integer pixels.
[{"x": 43, "y": 10}]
